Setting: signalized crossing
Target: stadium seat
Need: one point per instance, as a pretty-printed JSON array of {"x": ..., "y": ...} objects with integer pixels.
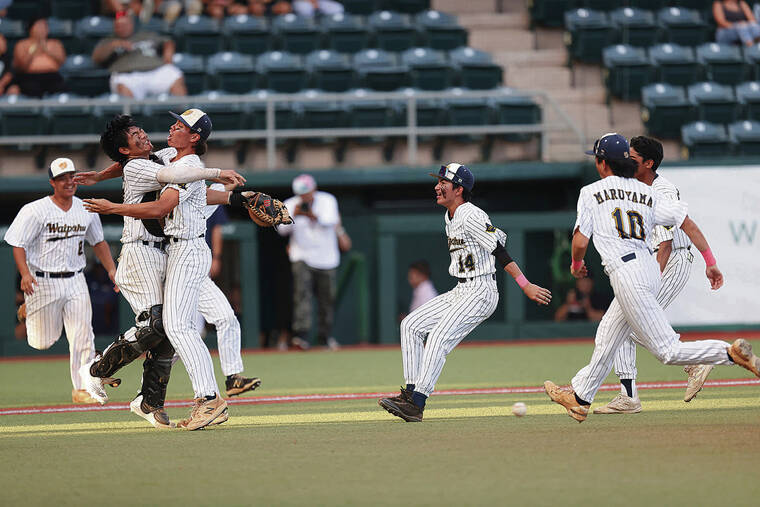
[
  {"x": 71, "y": 9},
  {"x": 513, "y": 108},
  {"x": 683, "y": 26},
  {"x": 704, "y": 139},
  {"x": 441, "y": 30},
  {"x": 549, "y": 12},
  {"x": 83, "y": 77},
  {"x": 408, "y": 6},
  {"x": 722, "y": 63},
  {"x": 296, "y": 34},
  {"x": 345, "y": 33},
  {"x": 752, "y": 56},
  {"x": 13, "y": 31},
  {"x": 363, "y": 7},
  {"x": 66, "y": 120},
  {"x": 247, "y": 34},
  {"x": 153, "y": 118},
  {"x": 664, "y": 109},
  {"x": 63, "y": 30},
  {"x": 748, "y": 95},
  {"x": 363, "y": 113},
  {"x": 627, "y": 70},
  {"x": 745, "y": 137},
  {"x": 476, "y": 68},
  {"x": 102, "y": 113},
  {"x": 378, "y": 70},
  {"x": 22, "y": 121},
  {"x": 284, "y": 116},
  {"x": 231, "y": 72},
  {"x": 674, "y": 64},
  {"x": 92, "y": 30},
  {"x": 636, "y": 27},
  {"x": 588, "y": 31},
  {"x": 430, "y": 112},
  {"x": 392, "y": 31},
  {"x": 154, "y": 24},
  {"x": 467, "y": 110},
  {"x": 281, "y": 72},
  {"x": 198, "y": 35},
  {"x": 714, "y": 102},
  {"x": 225, "y": 116},
  {"x": 330, "y": 71},
  {"x": 321, "y": 114},
  {"x": 651, "y": 5},
  {"x": 429, "y": 69},
  {"x": 194, "y": 69},
  {"x": 23, "y": 10}
]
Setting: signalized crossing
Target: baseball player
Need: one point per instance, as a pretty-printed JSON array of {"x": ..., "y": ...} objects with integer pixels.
[
  {"x": 620, "y": 212},
  {"x": 476, "y": 247},
  {"x": 673, "y": 251},
  {"x": 48, "y": 238}
]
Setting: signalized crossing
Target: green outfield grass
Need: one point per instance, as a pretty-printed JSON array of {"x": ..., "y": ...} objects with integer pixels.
[{"x": 469, "y": 450}]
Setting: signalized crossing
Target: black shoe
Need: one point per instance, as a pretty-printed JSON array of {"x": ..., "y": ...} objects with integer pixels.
[
  {"x": 402, "y": 406},
  {"x": 237, "y": 384}
]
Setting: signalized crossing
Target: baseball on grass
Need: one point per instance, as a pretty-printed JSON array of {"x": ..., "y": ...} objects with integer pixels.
[{"x": 519, "y": 409}]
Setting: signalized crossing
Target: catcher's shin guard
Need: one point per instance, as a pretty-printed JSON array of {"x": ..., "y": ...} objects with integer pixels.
[{"x": 156, "y": 374}]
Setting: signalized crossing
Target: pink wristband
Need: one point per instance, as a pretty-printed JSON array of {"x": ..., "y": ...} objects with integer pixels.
[
  {"x": 709, "y": 258},
  {"x": 576, "y": 265},
  {"x": 522, "y": 281}
]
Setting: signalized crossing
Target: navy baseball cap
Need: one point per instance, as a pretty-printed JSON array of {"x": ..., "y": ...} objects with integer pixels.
[
  {"x": 196, "y": 120},
  {"x": 611, "y": 146},
  {"x": 456, "y": 173}
]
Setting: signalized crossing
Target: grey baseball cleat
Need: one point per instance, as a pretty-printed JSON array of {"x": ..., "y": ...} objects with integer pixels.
[
  {"x": 620, "y": 404},
  {"x": 697, "y": 375}
]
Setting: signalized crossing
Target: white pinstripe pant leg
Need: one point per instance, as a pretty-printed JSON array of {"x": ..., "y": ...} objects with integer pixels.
[
  {"x": 77, "y": 321},
  {"x": 674, "y": 279},
  {"x": 187, "y": 268},
  {"x": 473, "y": 303},
  {"x": 415, "y": 327},
  {"x": 44, "y": 312},
  {"x": 216, "y": 309},
  {"x": 140, "y": 275}
]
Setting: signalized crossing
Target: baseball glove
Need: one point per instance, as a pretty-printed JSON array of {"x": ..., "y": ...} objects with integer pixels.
[
  {"x": 264, "y": 210},
  {"x": 21, "y": 312}
]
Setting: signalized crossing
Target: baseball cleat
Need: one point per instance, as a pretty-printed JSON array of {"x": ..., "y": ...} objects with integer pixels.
[
  {"x": 403, "y": 407},
  {"x": 238, "y": 384},
  {"x": 223, "y": 417},
  {"x": 203, "y": 413},
  {"x": 93, "y": 385},
  {"x": 157, "y": 417},
  {"x": 740, "y": 353},
  {"x": 403, "y": 396},
  {"x": 697, "y": 375},
  {"x": 81, "y": 396},
  {"x": 620, "y": 404},
  {"x": 566, "y": 398}
]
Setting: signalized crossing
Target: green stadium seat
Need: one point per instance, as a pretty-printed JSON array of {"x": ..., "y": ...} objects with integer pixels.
[
  {"x": 588, "y": 31},
  {"x": 154, "y": 24},
  {"x": 408, "y": 6},
  {"x": 115, "y": 106},
  {"x": 467, "y": 111},
  {"x": 674, "y": 64},
  {"x": 225, "y": 116},
  {"x": 752, "y": 56},
  {"x": 664, "y": 109},
  {"x": 476, "y": 68},
  {"x": 194, "y": 69},
  {"x": 363, "y": 113},
  {"x": 91, "y": 30},
  {"x": 345, "y": 33},
  {"x": 745, "y": 136},
  {"x": 247, "y": 34},
  {"x": 330, "y": 71},
  {"x": 430, "y": 112},
  {"x": 722, "y": 63},
  {"x": 513, "y": 108},
  {"x": 683, "y": 26},
  {"x": 627, "y": 70},
  {"x": 83, "y": 77},
  {"x": 636, "y": 27},
  {"x": 63, "y": 30},
  {"x": 748, "y": 95},
  {"x": 597, "y": 5},
  {"x": 714, "y": 102},
  {"x": 23, "y": 10},
  {"x": 379, "y": 71},
  {"x": 231, "y": 72},
  {"x": 441, "y": 30},
  {"x": 392, "y": 31},
  {"x": 153, "y": 118},
  {"x": 549, "y": 12},
  {"x": 13, "y": 31},
  {"x": 198, "y": 35},
  {"x": 429, "y": 69},
  {"x": 284, "y": 115},
  {"x": 652, "y": 5},
  {"x": 321, "y": 114},
  {"x": 71, "y": 9},
  {"x": 22, "y": 121},
  {"x": 363, "y": 7},
  {"x": 65, "y": 120},
  {"x": 281, "y": 72},
  {"x": 297, "y": 34},
  {"x": 704, "y": 139}
]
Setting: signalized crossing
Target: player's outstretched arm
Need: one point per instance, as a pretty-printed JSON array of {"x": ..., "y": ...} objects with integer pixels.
[
  {"x": 27, "y": 280},
  {"x": 534, "y": 292},
  {"x": 180, "y": 173},
  {"x": 87, "y": 178},
  {"x": 700, "y": 242},
  {"x": 153, "y": 209},
  {"x": 578, "y": 250}
]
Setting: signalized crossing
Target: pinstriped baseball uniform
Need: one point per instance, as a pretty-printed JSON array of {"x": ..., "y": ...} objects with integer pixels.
[
  {"x": 447, "y": 319},
  {"x": 619, "y": 214},
  {"x": 674, "y": 276},
  {"x": 53, "y": 240}
]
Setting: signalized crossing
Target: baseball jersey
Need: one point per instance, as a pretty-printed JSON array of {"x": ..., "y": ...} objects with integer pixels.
[
  {"x": 53, "y": 238},
  {"x": 472, "y": 239},
  {"x": 667, "y": 233},
  {"x": 620, "y": 214},
  {"x": 139, "y": 178},
  {"x": 187, "y": 220}
]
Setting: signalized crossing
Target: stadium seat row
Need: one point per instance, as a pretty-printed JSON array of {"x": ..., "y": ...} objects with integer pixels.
[
  {"x": 551, "y": 12},
  {"x": 705, "y": 139}
]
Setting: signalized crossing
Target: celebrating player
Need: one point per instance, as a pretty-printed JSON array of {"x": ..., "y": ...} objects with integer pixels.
[
  {"x": 48, "y": 238},
  {"x": 475, "y": 247},
  {"x": 620, "y": 213}
]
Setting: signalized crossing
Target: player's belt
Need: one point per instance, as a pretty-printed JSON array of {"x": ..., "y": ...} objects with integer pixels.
[
  {"x": 60, "y": 274},
  {"x": 463, "y": 280},
  {"x": 174, "y": 239},
  {"x": 155, "y": 244}
]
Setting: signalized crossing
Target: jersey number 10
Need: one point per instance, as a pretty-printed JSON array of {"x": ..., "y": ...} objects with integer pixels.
[{"x": 635, "y": 224}]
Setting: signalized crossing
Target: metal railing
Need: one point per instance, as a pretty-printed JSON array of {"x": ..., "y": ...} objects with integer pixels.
[{"x": 271, "y": 134}]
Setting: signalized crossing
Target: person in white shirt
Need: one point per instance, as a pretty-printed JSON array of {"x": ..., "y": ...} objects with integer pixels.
[
  {"x": 314, "y": 257},
  {"x": 423, "y": 289}
]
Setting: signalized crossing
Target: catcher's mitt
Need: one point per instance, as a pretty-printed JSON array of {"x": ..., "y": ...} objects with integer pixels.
[
  {"x": 21, "y": 312},
  {"x": 264, "y": 210}
]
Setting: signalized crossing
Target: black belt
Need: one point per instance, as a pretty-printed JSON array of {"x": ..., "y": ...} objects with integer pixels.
[
  {"x": 155, "y": 244},
  {"x": 174, "y": 239},
  {"x": 62, "y": 274},
  {"x": 463, "y": 280}
]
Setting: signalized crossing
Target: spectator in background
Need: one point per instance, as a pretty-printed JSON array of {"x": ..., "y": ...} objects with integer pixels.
[
  {"x": 218, "y": 9},
  {"x": 140, "y": 63},
  {"x": 423, "y": 289},
  {"x": 6, "y": 61},
  {"x": 309, "y": 7},
  {"x": 736, "y": 23},
  {"x": 314, "y": 257},
  {"x": 4, "y": 4},
  {"x": 582, "y": 303},
  {"x": 37, "y": 62},
  {"x": 269, "y": 7}
]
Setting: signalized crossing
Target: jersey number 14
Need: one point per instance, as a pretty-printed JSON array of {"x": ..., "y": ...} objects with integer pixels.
[
  {"x": 635, "y": 224},
  {"x": 466, "y": 263}
]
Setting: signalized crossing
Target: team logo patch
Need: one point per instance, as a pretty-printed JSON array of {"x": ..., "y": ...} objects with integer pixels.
[
  {"x": 490, "y": 228},
  {"x": 63, "y": 165}
]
